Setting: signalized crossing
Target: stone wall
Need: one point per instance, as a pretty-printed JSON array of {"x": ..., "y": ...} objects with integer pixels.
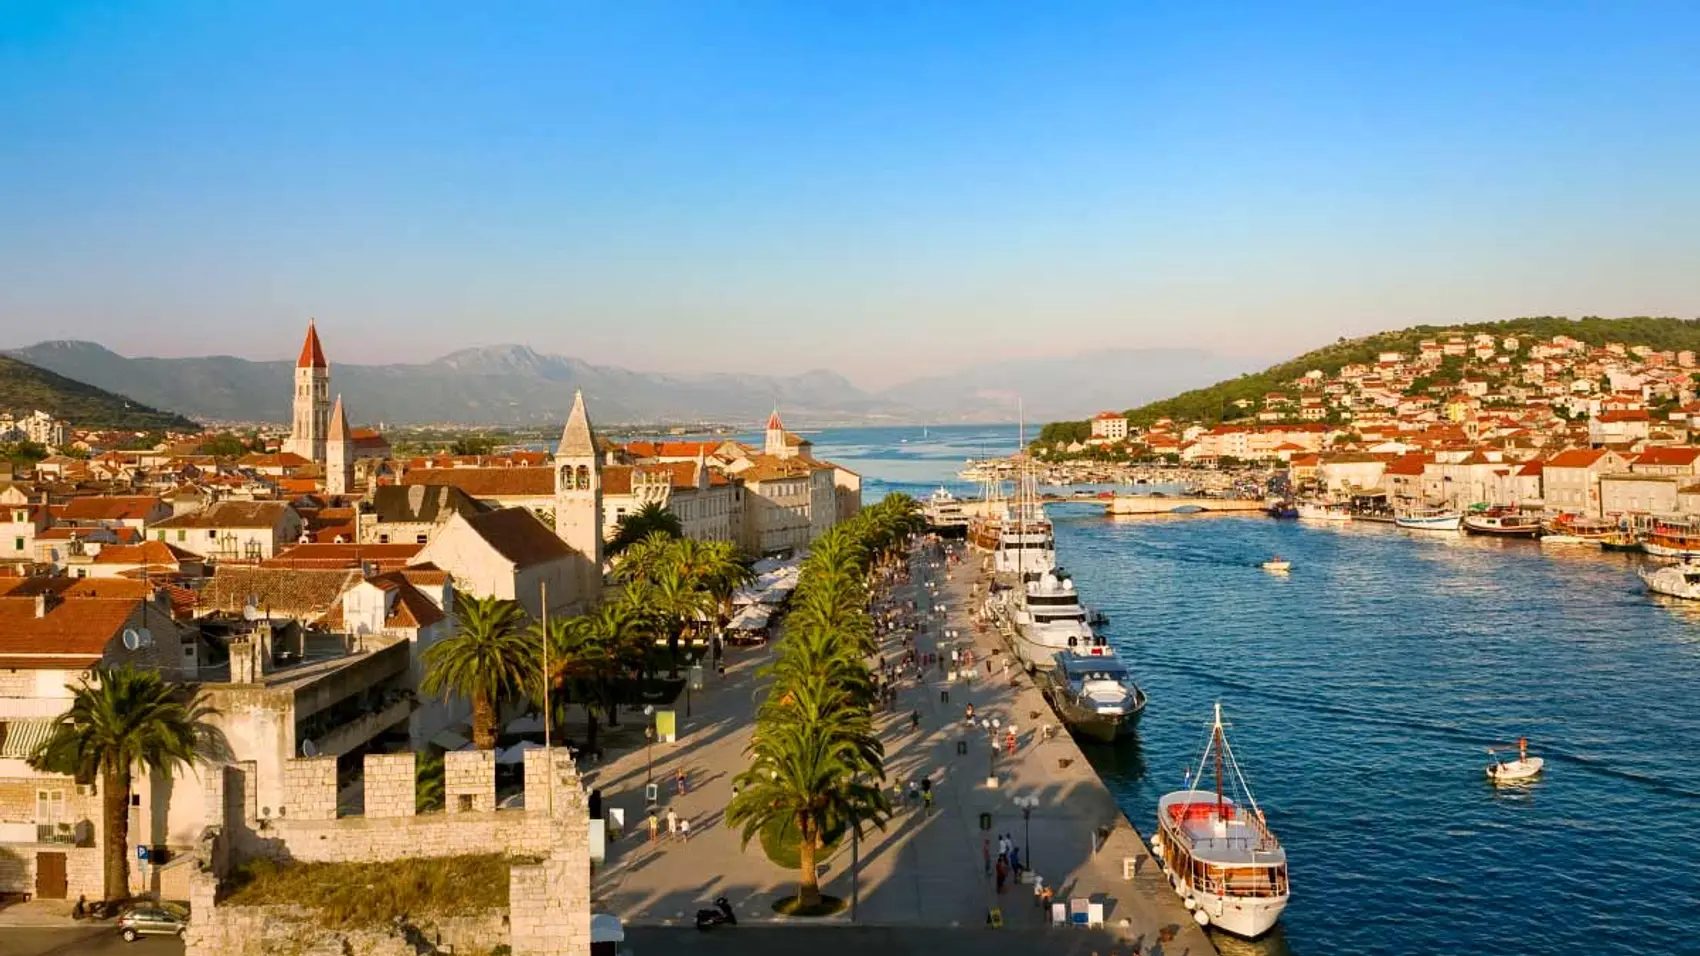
[
  {"x": 309, "y": 789},
  {"x": 84, "y": 874},
  {"x": 469, "y": 781},
  {"x": 390, "y": 786}
]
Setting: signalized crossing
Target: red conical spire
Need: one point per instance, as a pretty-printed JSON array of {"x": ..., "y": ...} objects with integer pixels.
[
  {"x": 773, "y": 423},
  {"x": 312, "y": 356}
]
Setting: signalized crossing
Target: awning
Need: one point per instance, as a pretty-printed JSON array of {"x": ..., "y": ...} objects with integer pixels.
[
  {"x": 449, "y": 740},
  {"x": 516, "y": 753},
  {"x": 19, "y": 738}
]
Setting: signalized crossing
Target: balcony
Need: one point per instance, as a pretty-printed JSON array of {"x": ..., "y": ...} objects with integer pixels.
[{"x": 363, "y": 728}]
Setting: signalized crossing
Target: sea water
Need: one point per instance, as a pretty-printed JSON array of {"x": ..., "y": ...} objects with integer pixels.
[{"x": 1362, "y": 692}]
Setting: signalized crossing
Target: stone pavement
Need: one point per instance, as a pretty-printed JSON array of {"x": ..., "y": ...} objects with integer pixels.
[{"x": 923, "y": 869}]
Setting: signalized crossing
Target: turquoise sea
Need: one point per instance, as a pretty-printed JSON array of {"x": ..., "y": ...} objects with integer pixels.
[{"x": 1363, "y": 690}]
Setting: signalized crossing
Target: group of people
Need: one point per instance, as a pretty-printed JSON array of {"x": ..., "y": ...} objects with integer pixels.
[{"x": 1008, "y": 863}]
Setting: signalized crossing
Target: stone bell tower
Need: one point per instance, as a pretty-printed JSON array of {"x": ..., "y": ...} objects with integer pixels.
[{"x": 578, "y": 497}]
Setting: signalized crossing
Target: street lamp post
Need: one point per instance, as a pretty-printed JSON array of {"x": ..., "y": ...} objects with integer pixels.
[
  {"x": 1027, "y": 805},
  {"x": 649, "y": 743},
  {"x": 992, "y": 763}
]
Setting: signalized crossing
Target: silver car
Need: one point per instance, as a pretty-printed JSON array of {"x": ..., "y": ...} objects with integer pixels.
[{"x": 150, "y": 921}]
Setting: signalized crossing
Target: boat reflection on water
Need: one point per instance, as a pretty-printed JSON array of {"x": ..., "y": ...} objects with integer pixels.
[
  {"x": 1124, "y": 759},
  {"x": 1272, "y": 943}
]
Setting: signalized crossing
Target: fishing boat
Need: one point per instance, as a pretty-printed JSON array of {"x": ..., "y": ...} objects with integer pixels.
[
  {"x": 1093, "y": 692},
  {"x": 1280, "y": 508},
  {"x": 1624, "y": 541},
  {"x": 1277, "y": 564},
  {"x": 1672, "y": 538},
  {"x": 1523, "y": 768},
  {"x": 1217, "y": 850},
  {"x": 1674, "y": 580},
  {"x": 1429, "y": 519},
  {"x": 1324, "y": 511},
  {"x": 1502, "y": 523}
]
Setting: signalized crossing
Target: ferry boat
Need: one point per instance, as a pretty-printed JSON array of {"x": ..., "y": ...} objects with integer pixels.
[
  {"x": 1093, "y": 692},
  {"x": 1220, "y": 855},
  {"x": 1045, "y": 616},
  {"x": 1674, "y": 580},
  {"x": 1429, "y": 519},
  {"x": 1324, "y": 511},
  {"x": 944, "y": 510},
  {"x": 1503, "y": 523},
  {"x": 1672, "y": 538}
]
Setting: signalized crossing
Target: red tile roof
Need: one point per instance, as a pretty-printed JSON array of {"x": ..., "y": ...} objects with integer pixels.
[
  {"x": 1576, "y": 458},
  {"x": 1668, "y": 455},
  {"x": 103, "y": 508},
  {"x": 322, "y": 555},
  {"x": 488, "y": 482},
  {"x": 312, "y": 354},
  {"x": 519, "y": 536}
]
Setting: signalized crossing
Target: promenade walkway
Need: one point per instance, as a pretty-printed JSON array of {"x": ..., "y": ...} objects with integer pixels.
[{"x": 924, "y": 869}]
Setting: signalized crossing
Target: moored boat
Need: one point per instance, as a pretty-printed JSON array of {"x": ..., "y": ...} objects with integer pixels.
[
  {"x": 1674, "y": 580},
  {"x": 1045, "y": 616},
  {"x": 1672, "y": 538},
  {"x": 1280, "y": 508},
  {"x": 1620, "y": 541},
  {"x": 1523, "y": 768},
  {"x": 1219, "y": 854},
  {"x": 1324, "y": 511},
  {"x": 1429, "y": 519},
  {"x": 1502, "y": 523},
  {"x": 1093, "y": 692}
]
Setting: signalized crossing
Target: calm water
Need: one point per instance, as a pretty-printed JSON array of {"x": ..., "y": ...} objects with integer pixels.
[{"x": 1363, "y": 690}]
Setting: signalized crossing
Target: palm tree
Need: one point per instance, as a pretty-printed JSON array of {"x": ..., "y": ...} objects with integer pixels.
[
  {"x": 489, "y": 659},
  {"x": 640, "y": 524},
  {"x": 645, "y": 558},
  {"x": 120, "y": 721},
  {"x": 807, "y": 776},
  {"x": 587, "y": 654},
  {"x": 681, "y": 600}
]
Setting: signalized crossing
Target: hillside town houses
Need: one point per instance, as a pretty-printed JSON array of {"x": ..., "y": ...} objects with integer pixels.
[
  {"x": 1552, "y": 424},
  {"x": 298, "y": 589}
]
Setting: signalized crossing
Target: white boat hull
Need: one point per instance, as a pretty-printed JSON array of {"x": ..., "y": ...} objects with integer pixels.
[
  {"x": 1323, "y": 513},
  {"x": 1430, "y": 522},
  {"x": 1513, "y": 770},
  {"x": 1666, "y": 551},
  {"x": 1671, "y": 582},
  {"x": 1569, "y": 540},
  {"x": 1249, "y": 917}
]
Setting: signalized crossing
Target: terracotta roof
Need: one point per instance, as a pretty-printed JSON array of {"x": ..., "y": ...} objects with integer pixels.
[
  {"x": 148, "y": 552},
  {"x": 288, "y": 592},
  {"x": 1408, "y": 465},
  {"x": 426, "y": 576},
  {"x": 488, "y": 482},
  {"x": 74, "y": 633},
  {"x": 230, "y": 514},
  {"x": 618, "y": 479},
  {"x": 415, "y": 503},
  {"x": 280, "y": 459},
  {"x": 1624, "y": 415},
  {"x": 312, "y": 354},
  {"x": 104, "y": 508},
  {"x": 773, "y": 422},
  {"x": 329, "y": 556},
  {"x": 1576, "y": 458},
  {"x": 1532, "y": 468},
  {"x": 1668, "y": 455},
  {"x": 772, "y": 467},
  {"x": 412, "y": 607},
  {"x": 517, "y": 535}
]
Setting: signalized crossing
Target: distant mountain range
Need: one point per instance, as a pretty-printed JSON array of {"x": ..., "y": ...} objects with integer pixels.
[
  {"x": 25, "y": 388},
  {"x": 514, "y": 385}
]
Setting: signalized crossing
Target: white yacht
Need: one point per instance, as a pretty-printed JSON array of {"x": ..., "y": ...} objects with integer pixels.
[
  {"x": 1429, "y": 519},
  {"x": 1675, "y": 580},
  {"x": 1045, "y": 616},
  {"x": 1219, "y": 855},
  {"x": 1324, "y": 511}
]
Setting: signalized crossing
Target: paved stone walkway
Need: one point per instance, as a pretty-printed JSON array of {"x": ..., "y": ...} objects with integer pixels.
[{"x": 923, "y": 869}]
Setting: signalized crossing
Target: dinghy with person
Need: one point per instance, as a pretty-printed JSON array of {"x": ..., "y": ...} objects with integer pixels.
[
  {"x": 1523, "y": 768},
  {"x": 1277, "y": 564}
]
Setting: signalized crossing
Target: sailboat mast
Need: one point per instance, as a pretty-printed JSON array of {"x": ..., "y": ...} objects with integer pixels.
[{"x": 1217, "y": 744}]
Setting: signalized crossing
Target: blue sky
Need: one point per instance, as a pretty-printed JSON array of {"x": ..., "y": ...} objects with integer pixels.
[{"x": 876, "y": 187}]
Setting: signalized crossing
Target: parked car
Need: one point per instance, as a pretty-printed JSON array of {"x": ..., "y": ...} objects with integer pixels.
[{"x": 150, "y": 921}]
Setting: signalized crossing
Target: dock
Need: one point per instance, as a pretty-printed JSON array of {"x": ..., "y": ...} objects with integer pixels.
[{"x": 926, "y": 871}]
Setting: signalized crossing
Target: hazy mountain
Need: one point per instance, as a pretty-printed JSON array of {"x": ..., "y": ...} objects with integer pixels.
[
  {"x": 513, "y": 384},
  {"x": 24, "y": 388}
]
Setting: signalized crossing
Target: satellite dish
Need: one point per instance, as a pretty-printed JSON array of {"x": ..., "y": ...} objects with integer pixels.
[
  {"x": 308, "y": 750},
  {"x": 250, "y": 612},
  {"x": 132, "y": 638}
]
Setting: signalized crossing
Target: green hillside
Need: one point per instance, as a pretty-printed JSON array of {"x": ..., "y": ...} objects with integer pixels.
[
  {"x": 1210, "y": 405},
  {"x": 25, "y": 388}
]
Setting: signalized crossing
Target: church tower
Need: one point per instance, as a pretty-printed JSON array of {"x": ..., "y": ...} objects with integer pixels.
[
  {"x": 775, "y": 444},
  {"x": 312, "y": 419},
  {"x": 578, "y": 497},
  {"x": 339, "y": 454}
]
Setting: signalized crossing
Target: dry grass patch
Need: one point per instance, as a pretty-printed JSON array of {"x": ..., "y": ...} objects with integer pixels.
[{"x": 354, "y": 895}]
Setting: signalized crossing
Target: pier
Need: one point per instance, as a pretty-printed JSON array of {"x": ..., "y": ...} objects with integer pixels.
[
  {"x": 925, "y": 872},
  {"x": 1161, "y": 505}
]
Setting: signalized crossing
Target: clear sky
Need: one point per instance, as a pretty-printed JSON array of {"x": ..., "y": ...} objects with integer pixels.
[{"x": 873, "y": 187}]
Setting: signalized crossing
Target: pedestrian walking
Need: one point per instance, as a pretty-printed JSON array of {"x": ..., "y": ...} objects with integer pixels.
[
  {"x": 927, "y": 793},
  {"x": 680, "y": 785},
  {"x": 1015, "y": 861},
  {"x": 654, "y": 827},
  {"x": 914, "y": 720},
  {"x": 672, "y": 824},
  {"x": 1003, "y": 873},
  {"x": 685, "y": 829},
  {"x": 986, "y": 854},
  {"x": 1009, "y": 741}
]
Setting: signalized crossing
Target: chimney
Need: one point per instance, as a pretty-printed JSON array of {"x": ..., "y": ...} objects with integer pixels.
[{"x": 43, "y": 603}]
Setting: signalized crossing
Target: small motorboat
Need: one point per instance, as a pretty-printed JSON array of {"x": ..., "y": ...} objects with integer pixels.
[
  {"x": 1277, "y": 564},
  {"x": 1523, "y": 768}
]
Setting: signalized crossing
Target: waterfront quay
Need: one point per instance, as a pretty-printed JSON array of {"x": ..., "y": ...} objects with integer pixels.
[{"x": 926, "y": 870}]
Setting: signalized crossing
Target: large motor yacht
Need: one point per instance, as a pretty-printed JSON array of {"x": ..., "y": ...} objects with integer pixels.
[
  {"x": 1045, "y": 616},
  {"x": 1219, "y": 854}
]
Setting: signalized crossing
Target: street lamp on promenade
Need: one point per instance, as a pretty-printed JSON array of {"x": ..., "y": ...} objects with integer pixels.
[
  {"x": 649, "y": 743},
  {"x": 992, "y": 726},
  {"x": 1027, "y": 805}
]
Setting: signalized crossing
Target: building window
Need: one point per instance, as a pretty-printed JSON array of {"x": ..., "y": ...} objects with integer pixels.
[
  {"x": 49, "y": 806},
  {"x": 383, "y": 539},
  {"x": 419, "y": 538},
  {"x": 17, "y": 544}
]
